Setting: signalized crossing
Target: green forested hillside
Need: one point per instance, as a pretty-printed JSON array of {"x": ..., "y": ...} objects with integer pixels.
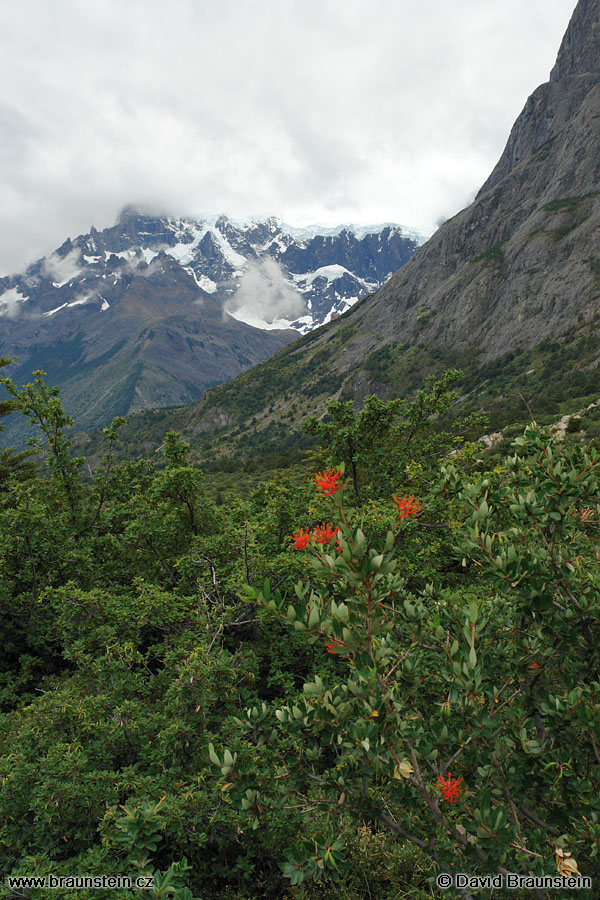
[
  {"x": 255, "y": 422},
  {"x": 369, "y": 669}
]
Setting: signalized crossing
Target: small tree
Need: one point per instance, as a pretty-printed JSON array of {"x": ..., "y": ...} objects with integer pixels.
[
  {"x": 376, "y": 443},
  {"x": 349, "y": 435},
  {"x": 15, "y": 464}
]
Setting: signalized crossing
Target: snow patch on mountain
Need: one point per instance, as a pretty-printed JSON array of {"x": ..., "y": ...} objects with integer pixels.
[
  {"x": 235, "y": 260},
  {"x": 306, "y": 232},
  {"x": 81, "y": 300},
  {"x": 148, "y": 254},
  {"x": 127, "y": 255},
  {"x": 203, "y": 281},
  {"x": 262, "y": 272},
  {"x": 331, "y": 273},
  {"x": 343, "y": 307},
  {"x": 51, "y": 312},
  {"x": 183, "y": 252}
]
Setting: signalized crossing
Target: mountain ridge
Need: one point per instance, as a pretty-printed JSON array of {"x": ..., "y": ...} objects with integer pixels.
[
  {"x": 154, "y": 310},
  {"x": 519, "y": 267}
]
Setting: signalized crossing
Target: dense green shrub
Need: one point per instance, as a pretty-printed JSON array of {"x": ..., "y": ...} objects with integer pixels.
[
  {"x": 465, "y": 722},
  {"x": 135, "y": 655}
]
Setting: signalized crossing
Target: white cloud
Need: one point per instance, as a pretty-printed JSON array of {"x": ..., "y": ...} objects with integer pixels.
[
  {"x": 11, "y": 303},
  {"x": 367, "y": 110},
  {"x": 265, "y": 298},
  {"x": 62, "y": 269}
]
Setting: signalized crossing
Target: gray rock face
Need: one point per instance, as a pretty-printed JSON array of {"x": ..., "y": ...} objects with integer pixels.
[
  {"x": 555, "y": 103},
  {"x": 547, "y": 111},
  {"x": 580, "y": 49},
  {"x": 523, "y": 261}
]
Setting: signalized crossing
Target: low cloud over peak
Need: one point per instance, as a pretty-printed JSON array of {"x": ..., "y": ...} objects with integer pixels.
[
  {"x": 264, "y": 298},
  {"x": 312, "y": 112}
]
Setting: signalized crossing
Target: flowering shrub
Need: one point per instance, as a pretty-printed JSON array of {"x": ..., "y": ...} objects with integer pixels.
[{"x": 501, "y": 688}]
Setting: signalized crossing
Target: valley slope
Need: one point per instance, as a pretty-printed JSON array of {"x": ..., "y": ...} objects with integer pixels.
[
  {"x": 508, "y": 289},
  {"x": 152, "y": 311}
]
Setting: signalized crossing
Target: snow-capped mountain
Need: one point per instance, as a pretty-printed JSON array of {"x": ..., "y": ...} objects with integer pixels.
[
  {"x": 153, "y": 310},
  {"x": 264, "y": 273}
]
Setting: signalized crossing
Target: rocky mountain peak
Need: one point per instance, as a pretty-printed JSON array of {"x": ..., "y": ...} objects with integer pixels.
[
  {"x": 554, "y": 105},
  {"x": 579, "y": 53},
  {"x": 521, "y": 263},
  {"x": 155, "y": 309},
  {"x": 130, "y": 211}
]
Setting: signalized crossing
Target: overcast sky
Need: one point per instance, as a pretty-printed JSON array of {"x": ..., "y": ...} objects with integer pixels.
[{"x": 324, "y": 111}]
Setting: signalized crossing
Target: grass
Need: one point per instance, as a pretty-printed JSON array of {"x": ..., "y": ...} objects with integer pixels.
[
  {"x": 577, "y": 209},
  {"x": 493, "y": 256}
]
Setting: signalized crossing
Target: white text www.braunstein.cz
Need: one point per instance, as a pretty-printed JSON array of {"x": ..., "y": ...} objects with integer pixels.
[{"x": 80, "y": 882}]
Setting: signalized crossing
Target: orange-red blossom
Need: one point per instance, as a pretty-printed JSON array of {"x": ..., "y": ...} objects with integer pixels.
[
  {"x": 450, "y": 788},
  {"x": 322, "y": 534},
  {"x": 301, "y": 539},
  {"x": 328, "y": 481},
  {"x": 408, "y": 507}
]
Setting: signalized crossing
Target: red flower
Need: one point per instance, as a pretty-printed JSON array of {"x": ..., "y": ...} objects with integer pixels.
[
  {"x": 301, "y": 539},
  {"x": 324, "y": 533},
  {"x": 584, "y": 514},
  {"x": 450, "y": 788},
  {"x": 334, "y": 645},
  {"x": 408, "y": 507},
  {"x": 327, "y": 481}
]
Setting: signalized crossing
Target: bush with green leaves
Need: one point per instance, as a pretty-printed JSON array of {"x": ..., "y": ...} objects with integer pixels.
[
  {"x": 128, "y": 651},
  {"x": 436, "y": 655},
  {"x": 465, "y": 722},
  {"x": 378, "y": 443}
]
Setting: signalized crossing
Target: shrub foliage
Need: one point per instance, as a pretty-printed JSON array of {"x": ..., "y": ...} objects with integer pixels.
[{"x": 338, "y": 686}]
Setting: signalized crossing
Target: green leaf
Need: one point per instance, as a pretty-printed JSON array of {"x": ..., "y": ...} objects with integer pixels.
[
  {"x": 376, "y": 562},
  {"x": 314, "y": 617}
]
